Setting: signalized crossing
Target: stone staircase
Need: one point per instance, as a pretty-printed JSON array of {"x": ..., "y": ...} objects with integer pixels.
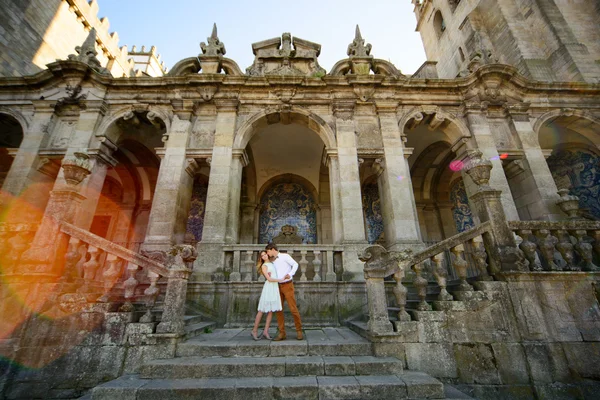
[{"x": 331, "y": 363}]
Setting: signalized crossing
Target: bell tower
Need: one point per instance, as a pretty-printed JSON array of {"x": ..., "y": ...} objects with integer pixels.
[{"x": 546, "y": 40}]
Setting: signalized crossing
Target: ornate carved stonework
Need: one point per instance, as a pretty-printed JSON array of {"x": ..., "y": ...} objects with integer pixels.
[
  {"x": 276, "y": 57},
  {"x": 86, "y": 53},
  {"x": 288, "y": 235}
]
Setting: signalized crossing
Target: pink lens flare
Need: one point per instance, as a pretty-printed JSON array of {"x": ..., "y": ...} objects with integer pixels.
[{"x": 456, "y": 165}]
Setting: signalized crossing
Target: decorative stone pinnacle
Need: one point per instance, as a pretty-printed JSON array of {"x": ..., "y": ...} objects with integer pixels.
[
  {"x": 357, "y": 48},
  {"x": 214, "y": 46},
  {"x": 86, "y": 53}
]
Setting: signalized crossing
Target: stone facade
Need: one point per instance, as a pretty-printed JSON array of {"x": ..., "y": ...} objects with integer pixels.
[{"x": 130, "y": 203}]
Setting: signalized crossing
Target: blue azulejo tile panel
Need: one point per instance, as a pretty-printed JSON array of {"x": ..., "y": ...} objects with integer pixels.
[
  {"x": 372, "y": 207},
  {"x": 288, "y": 204},
  {"x": 578, "y": 171},
  {"x": 463, "y": 218},
  {"x": 195, "y": 222}
]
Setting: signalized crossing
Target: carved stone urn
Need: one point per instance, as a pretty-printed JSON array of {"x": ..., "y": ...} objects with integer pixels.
[
  {"x": 569, "y": 204},
  {"x": 479, "y": 169},
  {"x": 76, "y": 168}
]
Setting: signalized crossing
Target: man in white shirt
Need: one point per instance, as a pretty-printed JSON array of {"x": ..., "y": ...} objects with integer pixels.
[{"x": 286, "y": 267}]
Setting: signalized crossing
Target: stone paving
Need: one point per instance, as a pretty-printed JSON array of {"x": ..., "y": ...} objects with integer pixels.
[{"x": 330, "y": 363}]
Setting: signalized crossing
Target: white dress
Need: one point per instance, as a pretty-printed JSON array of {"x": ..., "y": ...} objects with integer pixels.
[{"x": 269, "y": 298}]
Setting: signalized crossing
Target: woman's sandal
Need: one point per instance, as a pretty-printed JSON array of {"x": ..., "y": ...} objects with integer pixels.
[
  {"x": 254, "y": 336},
  {"x": 266, "y": 335}
]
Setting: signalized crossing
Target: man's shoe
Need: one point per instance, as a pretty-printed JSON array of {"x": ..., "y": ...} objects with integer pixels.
[
  {"x": 279, "y": 337},
  {"x": 299, "y": 335}
]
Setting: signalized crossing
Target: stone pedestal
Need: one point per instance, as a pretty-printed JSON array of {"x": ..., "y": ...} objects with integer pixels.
[{"x": 376, "y": 261}]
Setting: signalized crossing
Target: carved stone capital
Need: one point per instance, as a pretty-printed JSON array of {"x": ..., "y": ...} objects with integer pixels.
[
  {"x": 379, "y": 166},
  {"x": 76, "y": 168},
  {"x": 242, "y": 156},
  {"x": 48, "y": 167},
  {"x": 343, "y": 111},
  {"x": 192, "y": 167}
]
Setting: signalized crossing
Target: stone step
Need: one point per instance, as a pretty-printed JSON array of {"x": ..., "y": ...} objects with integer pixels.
[
  {"x": 223, "y": 367},
  {"x": 193, "y": 319},
  {"x": 401, "y": 386},
  {"x": 238, "y": 342},
  {"x": 193, "y": 330}
]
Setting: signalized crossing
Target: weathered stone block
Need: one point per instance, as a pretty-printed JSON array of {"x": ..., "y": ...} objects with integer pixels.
[
  {"x": 422, "y": 386},
  {"x": 289, "y": 348},
  {"x": 138, "y": 355},
  {"x": 336, "y": 387},
  {"x": 302, "y": 366},
  {"x": 511, "y": 363},
  {"x": 436, "y": 359},
  {"x": 583, "y": 359},
  {"x": 436, "y": 332},
  {"x": 339, "y": 366},
  {"x": 558, "y": 391},
  {"x": 547, "y": 363},
  {"x": 368, "y": 365},
  {"x": 301, "y": 387},
  {"x": 381, "y": 387},
  {"x": 475, "y": 364}
]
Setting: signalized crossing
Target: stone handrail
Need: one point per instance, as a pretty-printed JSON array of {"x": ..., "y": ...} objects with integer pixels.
[
  {"x": 379, "y": 264},
  {"x": 316, "y": 261},
  {"x": 559, "y": 245},
  {"x": 174, "y": 265}
]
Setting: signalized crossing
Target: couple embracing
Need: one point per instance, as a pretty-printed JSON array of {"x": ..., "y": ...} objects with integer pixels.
[{"x": 278, "y": 270}]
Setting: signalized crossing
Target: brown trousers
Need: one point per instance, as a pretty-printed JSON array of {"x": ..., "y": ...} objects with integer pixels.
[{"x": 286, "y": 291}]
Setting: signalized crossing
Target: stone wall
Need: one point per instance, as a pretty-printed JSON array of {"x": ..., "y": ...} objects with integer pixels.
[
  {"x": 534, "y": 335},
  {"x": 34, "y": 33}
]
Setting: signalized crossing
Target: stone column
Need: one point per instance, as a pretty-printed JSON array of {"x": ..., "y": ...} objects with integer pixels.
[
  {"x": 168, "y": 216},
  {"x": 240, "y": 160},
  {"x": 23, "y": 173},
  {"x": 210, "y": 263},
  {"x": 537, "y": 180},
  {"x": 500, "y": 244},
  {"x": 349, "y": 192},
  {"x": 484, "y": 139},
  {"x": 399, "y": 210}
]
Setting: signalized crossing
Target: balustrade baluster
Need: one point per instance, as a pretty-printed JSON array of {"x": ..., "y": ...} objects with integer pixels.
[
  {"x": 420, "y": 284},
  {"x": 90, "y": 267},
  {"x": 317, "y": 266},
  {"x": 529, "y": 249},
  {"x": 250, "y": 265},
  {"x": 330, "y": 275},
  {"x": 151, "y": 294},
  {"x": 110, "y": 275},
  {"x": 441, "y": 274},
  {"x": 460, "y": 266},
  {"x": 17, "y": 246},
  {"x": 303, "y": 265},
  {"x": 546, "y": 244},
  {"x": 236, "y": 274},
  {"x": 72, "y": 258},
  {"x": 584, "y": 249},
  {"x": 480, "y": 257},
  {"x": 400, "y": 292},
  {"x": 130, "y": 285},
  {"x": 596, "y": 244},
  {"x": 565, "y": 248}
]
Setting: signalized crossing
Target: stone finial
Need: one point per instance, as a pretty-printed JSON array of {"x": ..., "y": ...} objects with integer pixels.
[
  {"x": 214, "y": 46},
  {"x": 86, "y": 53},
  {"x": 357, "y": 48}
]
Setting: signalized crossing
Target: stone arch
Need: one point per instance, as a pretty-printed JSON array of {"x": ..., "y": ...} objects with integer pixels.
[
  {"x": 295, "y": 115},
  {"x": 107, "y": 122},
  {"x": 288, "y": 192},
  {"x": 418, "y": 113},
  {"x": 565, "y": 112},
  {"x": 24, "y": 122},
  {"x": 438, "y": 23}
]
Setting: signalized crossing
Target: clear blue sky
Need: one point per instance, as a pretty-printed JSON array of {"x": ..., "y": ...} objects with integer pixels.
[{"x": 177, "y": 27}]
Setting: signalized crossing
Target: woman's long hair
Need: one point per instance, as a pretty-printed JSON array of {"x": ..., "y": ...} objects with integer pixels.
[{"x": 260, "y": 263}]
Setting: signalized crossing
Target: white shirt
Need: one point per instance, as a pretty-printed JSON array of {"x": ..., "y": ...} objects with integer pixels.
[{"x": 285, "y": 265}]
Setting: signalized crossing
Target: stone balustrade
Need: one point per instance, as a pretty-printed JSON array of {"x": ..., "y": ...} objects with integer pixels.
[
  {"x": 14, "y": 240},
  {"x": 103, "y": 268},
  {"x": 559, "y": 246},
  {"x": 316, "y": 263},
  {"x": 379, "y": 264}
]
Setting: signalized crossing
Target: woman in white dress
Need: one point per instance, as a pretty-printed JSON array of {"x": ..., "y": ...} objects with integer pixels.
[{"x": 269, "y": 299}]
